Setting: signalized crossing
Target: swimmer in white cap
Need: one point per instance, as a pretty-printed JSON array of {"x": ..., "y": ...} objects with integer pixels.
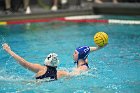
[{"x": 47, "y": 71}]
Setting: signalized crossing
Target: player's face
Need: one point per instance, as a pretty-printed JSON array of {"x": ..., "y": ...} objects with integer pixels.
[{"x": 75, "y": 55}]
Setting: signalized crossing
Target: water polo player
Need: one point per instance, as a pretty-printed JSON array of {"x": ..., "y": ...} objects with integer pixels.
[
  {"x": 80, "y": 56},
  {"x": 81, "y": 53},
  {"x": 48, "y": 71}
]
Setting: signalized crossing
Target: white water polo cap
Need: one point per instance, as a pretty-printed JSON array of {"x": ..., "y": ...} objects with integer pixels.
[{"x": 52, "y": 60}]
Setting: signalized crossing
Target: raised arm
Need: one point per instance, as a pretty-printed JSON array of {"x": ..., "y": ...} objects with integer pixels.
[
  {"x": 96, "y": 48},
  {"x": 33, "y": 67}
]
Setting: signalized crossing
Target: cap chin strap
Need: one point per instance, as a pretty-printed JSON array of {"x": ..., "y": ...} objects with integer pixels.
[
  {"x": 76, "y": 62},
  {"x": 77, "y": 59}
]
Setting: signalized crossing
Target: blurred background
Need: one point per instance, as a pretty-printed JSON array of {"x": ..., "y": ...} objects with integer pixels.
[{"x": 67, "y": 7}]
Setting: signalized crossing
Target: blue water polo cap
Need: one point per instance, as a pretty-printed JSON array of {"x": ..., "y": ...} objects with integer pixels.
[{"x": 83, "y": 52}]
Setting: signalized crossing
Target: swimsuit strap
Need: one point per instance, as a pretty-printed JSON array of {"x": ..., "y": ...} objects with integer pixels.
[
  {"x": 86, "y": 64},
  {"x": 82, "y": 64}
]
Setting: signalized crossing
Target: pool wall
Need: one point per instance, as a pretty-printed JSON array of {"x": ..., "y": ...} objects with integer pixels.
[
  {"x": 93, "y": 9},
  {"x": 117, "y": 9}
]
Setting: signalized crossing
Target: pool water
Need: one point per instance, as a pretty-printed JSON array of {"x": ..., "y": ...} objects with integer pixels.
[{"x": 113, "y": 69}]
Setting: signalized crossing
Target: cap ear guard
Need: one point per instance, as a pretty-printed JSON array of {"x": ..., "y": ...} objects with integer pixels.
[
  {"x": 83, "y": 52},
  {"x": 52, "y": 60}
]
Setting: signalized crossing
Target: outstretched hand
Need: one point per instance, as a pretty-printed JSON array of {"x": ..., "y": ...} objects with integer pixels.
[{"x": 6, "y": 47}]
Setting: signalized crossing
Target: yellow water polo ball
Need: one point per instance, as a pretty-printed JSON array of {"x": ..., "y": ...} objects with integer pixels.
[{"x": 100, "y": 38}]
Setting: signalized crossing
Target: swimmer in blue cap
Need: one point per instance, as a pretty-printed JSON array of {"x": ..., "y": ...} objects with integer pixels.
[
  {"x": 80, "y": 57},
  {"x": 46, "y": 71}
]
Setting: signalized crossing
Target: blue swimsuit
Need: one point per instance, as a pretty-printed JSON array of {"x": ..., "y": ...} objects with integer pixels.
[{"x": 50, "y": 73}]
